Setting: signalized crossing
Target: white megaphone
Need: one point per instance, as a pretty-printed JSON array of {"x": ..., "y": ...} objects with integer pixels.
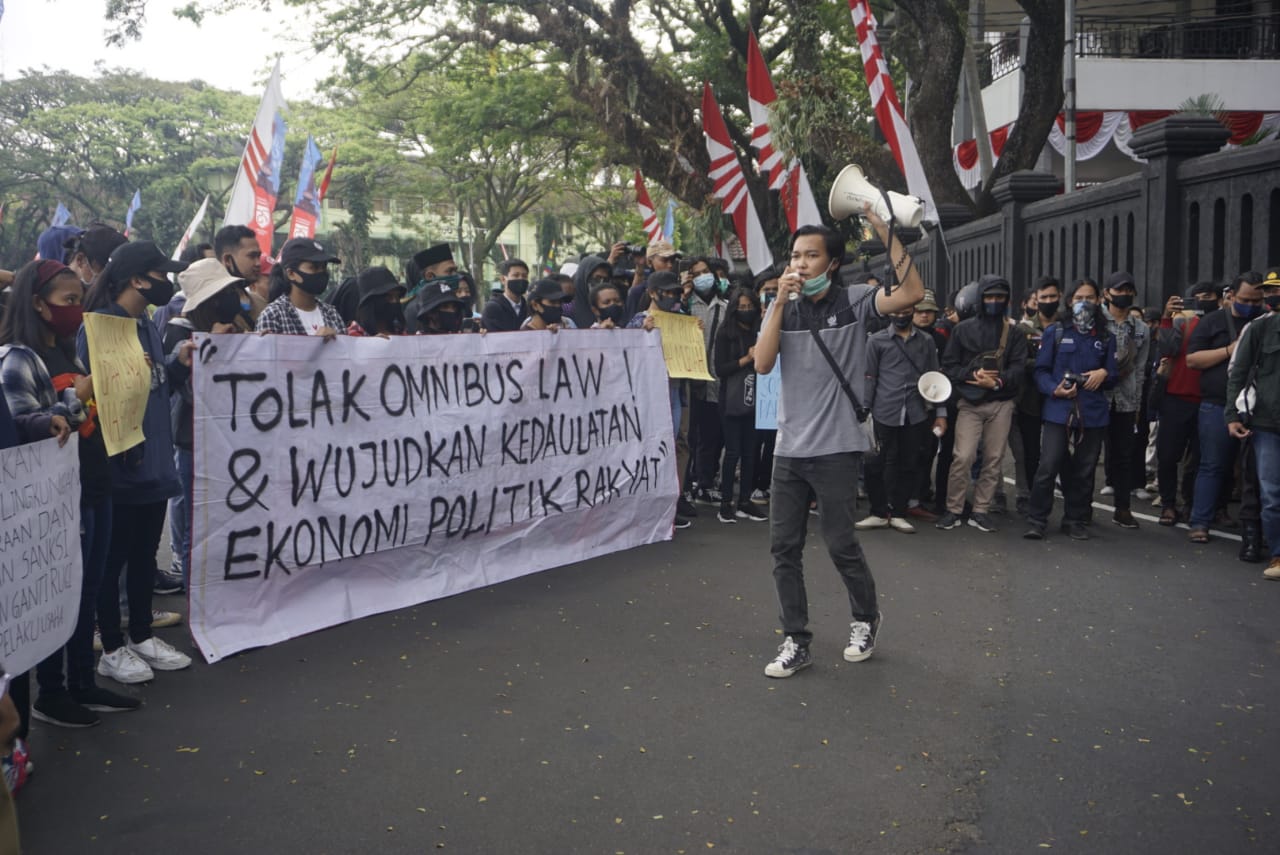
[
  {"x": 852, "y": 191},
  {"x": 934, "y": 387}
]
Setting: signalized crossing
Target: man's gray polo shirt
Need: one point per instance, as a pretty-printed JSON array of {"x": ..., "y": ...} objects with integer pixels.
[{"x": 815, "y": 416}]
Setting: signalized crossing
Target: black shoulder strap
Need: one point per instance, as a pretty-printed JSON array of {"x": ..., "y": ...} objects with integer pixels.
[
  {"x": 858, "y": 409},
  {"x": 906, "y": 353}
]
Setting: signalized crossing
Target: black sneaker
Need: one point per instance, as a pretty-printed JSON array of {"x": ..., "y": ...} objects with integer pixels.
[
  {"x": 682, "y": 522},
  {"x": 948, "y": 521},
  {"x": 685, "y": 508},
  {"x": 706, "y": 496},
  {"x": 103, "y": 700},
  {"x": 1124, "y": 519},
  {"x": 62, "y": 710},
  {"x": 862, "y": 639},
  {"x": 1033, "y": 533},
  {"x": 725, "y": 515},
  {"x": 1075, "y": 530},
  {"x": 791, "y": 658},
  {"x": 748, "y": 511},
  {"x": 167, "y": 583},
  {"x": 981, "y": 522}
]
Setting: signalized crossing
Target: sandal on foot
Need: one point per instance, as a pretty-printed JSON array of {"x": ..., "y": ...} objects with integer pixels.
[
  {"x": 1169, "y": 517},
  {"x": 1198, "y": 535}
]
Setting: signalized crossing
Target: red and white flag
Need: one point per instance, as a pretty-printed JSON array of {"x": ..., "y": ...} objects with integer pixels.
[
  {"x": 648, "y": 215},
  {"x": 258, "y": 180},
  {"x": 888, "y": 109},
  {"x": 790, "y": 179},
  {"x": 731, "y": 185}
]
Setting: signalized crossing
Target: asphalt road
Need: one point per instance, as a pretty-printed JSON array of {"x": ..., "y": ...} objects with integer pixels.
[{"x": 1116, "y": 696}]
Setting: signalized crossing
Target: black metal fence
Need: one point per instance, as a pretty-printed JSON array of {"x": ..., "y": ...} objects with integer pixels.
[{"x": 1193, "y": 213}]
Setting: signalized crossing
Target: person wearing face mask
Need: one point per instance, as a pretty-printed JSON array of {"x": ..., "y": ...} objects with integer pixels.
[
  {"x": 896, "y": 358},
  {"x": 608, "y": 304},
  {"x": 42, "y": 378},
  {"x": 440, "y": 310},
  {"x": 591, "y": 271},
  {"x": 213, "y": 305},
  {"x": 506, "y": 312},
  {"x": 236, "y": 246},
  {"x": 1045, "y": 300},
  {"x": 925, "y": 320},
  {"x": 705, "y": 426},
  {"x": 734, "y": 358},
  {"x": 299, "y": 278},
  {"x": 1257, "y": 362},
  {"x": 766, "y": 285},
  {"x": 546, "y": 308},
  {"x": 87, "y": 253},
  {"x": 1209, "y": 350},
  {"x": 380, "y": 311},
  {"x": 1132, "y": 340},
  {"x": 1075, "y": 363},
  {"x": 425, "y": 273},
  {"x": 143, "y": 478},
  {"x": 986, "y": 360},
  {"x": 818, "y": 330}
]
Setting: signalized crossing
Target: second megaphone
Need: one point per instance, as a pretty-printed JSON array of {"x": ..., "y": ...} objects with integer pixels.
[{"x": 851, "y": 191}]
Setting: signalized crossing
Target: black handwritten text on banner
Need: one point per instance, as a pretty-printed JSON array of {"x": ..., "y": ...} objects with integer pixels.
[{"x": 338, "y": 480}]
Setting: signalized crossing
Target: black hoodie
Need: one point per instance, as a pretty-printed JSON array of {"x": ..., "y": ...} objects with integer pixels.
[
  {"x": 979, "y": 335},
  {"x": 582, "y": 314}
]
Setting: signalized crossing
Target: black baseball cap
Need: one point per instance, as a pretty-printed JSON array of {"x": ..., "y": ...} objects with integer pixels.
[
  {"x": 434, "y": 295},
  {"x": 97, "y": 242},
  {"x": 1204, "y": 288},
  {"x": 1120, "y": 279},
  {"x": 376, "y": 282},
  {"x": 546, "y": 289},
  {"x": 137, "y": 259},
  {"x": 300, "y": 249},
  {"x": 665, "y": 280}
]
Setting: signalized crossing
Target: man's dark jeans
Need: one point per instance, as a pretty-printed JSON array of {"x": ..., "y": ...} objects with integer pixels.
[
  {"x": 892, "y": 474},
  {"x": 834, "y": 478},
  {"x": 1076, "y": 467}
]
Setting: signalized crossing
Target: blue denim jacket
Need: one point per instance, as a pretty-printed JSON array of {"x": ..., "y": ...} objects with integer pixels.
[{"x": 1063, "y": 349}]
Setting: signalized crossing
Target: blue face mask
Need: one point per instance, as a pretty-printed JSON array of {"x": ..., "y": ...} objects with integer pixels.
[
  {"x": 1248, "y": 311},
  {"x": 768, "y": 298},
  {"x": 995, "y": 309},
  {"x": 816, "y": 285},
  {"x": 703, "y": 283}
]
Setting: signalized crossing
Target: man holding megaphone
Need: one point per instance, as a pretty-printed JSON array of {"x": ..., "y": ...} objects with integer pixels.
[{"x": 820, "y": 330}]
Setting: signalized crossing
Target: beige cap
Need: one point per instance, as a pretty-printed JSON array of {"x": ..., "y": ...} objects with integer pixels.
[
  {"x": 928, "y": 304},
  {"x": 203, "y": 279},
  {"x": 661, "y": 248}
]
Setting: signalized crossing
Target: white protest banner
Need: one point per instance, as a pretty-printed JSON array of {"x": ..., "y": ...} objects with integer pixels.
[
  {"x": 342, "y": 479},
  {"x": 40, "y": 564},
  {"x": 768, "y": 387}
]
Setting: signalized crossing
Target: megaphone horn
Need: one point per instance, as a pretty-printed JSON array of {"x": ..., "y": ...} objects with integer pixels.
[{"x": 851, "y": 191}]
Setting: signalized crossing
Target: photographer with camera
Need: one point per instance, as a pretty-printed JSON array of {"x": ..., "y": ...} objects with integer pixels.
[
  {"x": 660, "y": 256},
  {"x": 820, "y": 331},
  {"x": 1076, "y": 362}
]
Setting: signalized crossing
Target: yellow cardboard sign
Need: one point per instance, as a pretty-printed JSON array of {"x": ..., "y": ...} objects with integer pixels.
[
  {"x": 121, "y": 378},
  {"x": 683, "y": 346}
]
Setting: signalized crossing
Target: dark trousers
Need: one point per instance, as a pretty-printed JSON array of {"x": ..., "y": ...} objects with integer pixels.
[
  {"x": 946, "y": 450},
  {"x": 765, "y": 442},
  {"x": 834, "y": 479},
  {"x": 1250, "y": 489},
  {"x": 706, "y": 441},
  {"x": 95, "y": 541},
  {"x": 893, "y": 472},
  {"x": 135, "y": 537},
  {"x": 1177, "y": 436},
  {"x": 1121, "y": 435},
  {"x": 739, "y": 446},
  {"x": 1028, "y": 427},
  {"x": 1075, "y": 465}
]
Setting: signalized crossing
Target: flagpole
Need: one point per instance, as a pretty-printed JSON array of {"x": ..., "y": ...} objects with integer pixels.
[{"x": 1069, "y": 81}]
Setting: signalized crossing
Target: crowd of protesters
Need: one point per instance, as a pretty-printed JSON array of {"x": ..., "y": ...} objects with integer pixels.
[{"x": 1182, "y": 401}]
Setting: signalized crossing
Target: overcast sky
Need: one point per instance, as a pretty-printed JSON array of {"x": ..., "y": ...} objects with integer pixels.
[{"x": 230, "y": 51}]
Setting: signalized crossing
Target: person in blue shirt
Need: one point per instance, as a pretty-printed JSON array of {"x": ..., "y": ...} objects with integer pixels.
[{"x": 1076, "y": 362}]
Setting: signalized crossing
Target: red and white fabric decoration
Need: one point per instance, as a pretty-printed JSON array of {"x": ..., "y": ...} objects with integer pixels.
[
  {"x": 731, "y": 185},
  {"x": 790, "y": 179},
  {"x": 888, "y": 111},
  {"x": 648, "y": 215},
  {"x": 1096, "y": 128}
]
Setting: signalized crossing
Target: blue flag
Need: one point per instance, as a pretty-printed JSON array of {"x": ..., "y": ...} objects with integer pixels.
[
  {"x": 133, "y": 209},
  {"x": 311, "y": 160},
  {"x": 61, "y": 216},
  {"x": 669, "y": 225}
]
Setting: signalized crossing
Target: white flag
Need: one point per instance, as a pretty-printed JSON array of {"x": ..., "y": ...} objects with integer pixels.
[
  {"x": 257, "y": 152},
  {"x": 191, "y": 229}
]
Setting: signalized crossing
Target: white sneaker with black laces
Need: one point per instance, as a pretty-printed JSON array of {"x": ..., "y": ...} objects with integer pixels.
[
  {"x": 160, "y": 655},
  {"x": 862, "y": 640},
  {"x": 791, "y": 658},
  {"x": 123, "y": 666}
]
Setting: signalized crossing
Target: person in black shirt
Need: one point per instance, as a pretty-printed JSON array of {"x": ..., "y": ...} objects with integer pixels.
[
  {"x": 505, "y": 312},
  {"x": 1209, "y": 352},
  {"x": 734, "y": 354}
]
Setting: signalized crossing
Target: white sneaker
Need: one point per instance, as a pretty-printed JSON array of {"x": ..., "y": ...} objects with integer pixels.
[
  {"x": 1141, "y": 495},
  {"x": 161, "y": 618},
  {"x": 900, "y": 524},
  {"x": 123, "y": 666},
  {"x": 160, "y": 655},
  {"x": 1107, "y": 491},
  {"x": 872, "y": 521}
]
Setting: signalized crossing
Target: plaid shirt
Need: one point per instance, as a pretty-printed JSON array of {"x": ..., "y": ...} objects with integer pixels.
[
  {"x": 280, "y": 317},
  {"x": 28, "y": 388}
]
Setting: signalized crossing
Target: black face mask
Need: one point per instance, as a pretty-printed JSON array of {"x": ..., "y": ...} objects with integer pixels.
[
  {"x": 552, "y": 314},
  {"x": 226, "y": 305},
  {"x": 1122, "y": 301},
  {"x": 1049, "y": 310},
  {"x": 1272, "y": 301},
  {"x": 446, "y": 322},
  {"x": 747, "y": 317},
  {"x": 669, "y": 304},
  {"x": 160, "y": 292},
  {"x": 389, "y": 315},
  {"x": 900, "y": 323},
  {"x": 1204, "y": 307},
  {"x": 313, "y": 283},
  {"x": 613, "y": 313},
  {"x": 518, "y": 286}
]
